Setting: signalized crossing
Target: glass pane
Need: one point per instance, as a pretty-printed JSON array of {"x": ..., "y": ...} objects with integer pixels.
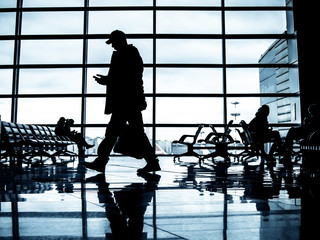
[
  {"x": 255, "y": 2},
  {"x": 188, "y": 2},
  {"x": 277, "y": 80},
  {"x": 243, "y": 80},
  {"x": 48, "y": 110},
  {"x": 189, "y": 80},
  {"x": 121, "y": 3},
  {"x": 95, "y": 111},
  {"x": 104, "y": 22},
  {"x": 5, "y": 109},
  {"x": 96, "y": 133},
  {"x": 94, "y": 87},
  {"x": 51, "y": 51},
  {"x": 7, "y": 23},
  {"x": 189, "y": 51},
  {"x": 6, "y": 81},
  {"x": 6, "y": 49},
  {"x": 8, "y": 4},
  {"x": 242, "y": 108},
  {"x": 255, "y": 22},
  {"x": 189, "y": 110},
  {"x": 148, "y": 131},
  {"x": 147, "y": 113},
  {"x": 145, "y": 48},
  {"x": 53, "y": 3},
  {"x": 48, "y": 81},
  {"x": 174, "y": 133},
  {"x": 100, "y": 52},
  {"x": 246, "y": 51},
  {"x": 203, "y": 22},
  {"x": 148, "y": 80},
  {"x": 52, "y": 23}
]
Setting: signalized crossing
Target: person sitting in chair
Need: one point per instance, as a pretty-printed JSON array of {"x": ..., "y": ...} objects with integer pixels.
[
  {"x": 310, "y": 124},
  {"x": 63, "y": 128},
  {"x": 60, "y": 129},
  {"x": 262, "y": 133},
  {"x": 75, "y": 136}
]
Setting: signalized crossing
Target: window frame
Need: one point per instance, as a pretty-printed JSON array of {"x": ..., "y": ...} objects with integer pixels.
[{"x": 18, "y": 37}]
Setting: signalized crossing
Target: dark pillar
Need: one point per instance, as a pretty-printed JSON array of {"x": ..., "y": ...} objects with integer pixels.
[{"x": 306, "y": 27}]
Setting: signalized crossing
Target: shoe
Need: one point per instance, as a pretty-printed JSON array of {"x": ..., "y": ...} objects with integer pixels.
[
  {"x": 150, "y": 177},
  {"x": 89, "y": 146},
  {"x": 99, "y": 164},
  {"x": 99, "y": 178},
  {"x": 150, "y": 167}
]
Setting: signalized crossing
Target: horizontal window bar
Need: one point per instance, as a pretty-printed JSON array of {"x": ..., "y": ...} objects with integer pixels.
[
  {"x": 173, "y": 95},
  {"x": 175, "y": 125},
  {"x": 158, "y": 95},
  {"x": 151, "y": 36},
  {"x": 147, "y": 8},
  {"x": 249, "y": 65}
]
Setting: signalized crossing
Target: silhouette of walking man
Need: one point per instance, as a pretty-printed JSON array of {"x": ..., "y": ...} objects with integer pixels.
[{"x": 124, "y": 101}]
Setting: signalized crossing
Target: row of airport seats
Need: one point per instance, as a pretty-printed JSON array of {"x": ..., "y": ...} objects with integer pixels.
[
  {"x": 309, "y": 148},
  {"x": 30, "y": 143}
]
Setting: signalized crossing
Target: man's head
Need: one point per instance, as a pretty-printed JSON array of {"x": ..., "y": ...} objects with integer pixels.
[
  {"x": 61, "y": 121},
  {"x": 264, "y": 110},
  {"x": 69, "y": 122},
  {"x": 314, "y": 110},
  {"x": 118, "y": 39}
]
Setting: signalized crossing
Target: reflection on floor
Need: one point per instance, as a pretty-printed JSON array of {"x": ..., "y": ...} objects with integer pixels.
[{"x": 183, "y": 201}]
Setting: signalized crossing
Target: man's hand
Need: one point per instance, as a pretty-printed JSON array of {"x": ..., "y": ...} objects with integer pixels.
[{"x": 101, "y": 79}]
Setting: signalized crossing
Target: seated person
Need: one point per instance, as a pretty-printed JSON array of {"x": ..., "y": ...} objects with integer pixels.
[
  {"x": 59, "y": 129},
  {"x": 75, "y": 136},
  {"x": 261, "y": 132},
  {"x": 310, "y": 124},
  {"x": 63, "y": 128}
]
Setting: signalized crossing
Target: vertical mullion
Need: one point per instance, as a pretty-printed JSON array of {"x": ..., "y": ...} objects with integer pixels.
[
  {"x": 224, "y": 70},
  {"x": 83, "y": 114},
  {"x": 17, "y": 47},
  {"x": 224, "y": 73},
  {"x": 154, "y": 215},
  {"x": 154, "y": 77},
  {"x": 84, "y": 66}
]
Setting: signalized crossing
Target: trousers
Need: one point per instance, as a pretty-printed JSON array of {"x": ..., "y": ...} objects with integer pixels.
[{"x": 116, "y": 125}]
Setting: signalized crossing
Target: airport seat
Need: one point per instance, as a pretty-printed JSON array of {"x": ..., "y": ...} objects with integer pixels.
[
  {"x": 251, "y": 149},
  {"x": 189, "y": 141},
  {"x": 26, "y": 142},
  {"x": 221, "y": 142}
]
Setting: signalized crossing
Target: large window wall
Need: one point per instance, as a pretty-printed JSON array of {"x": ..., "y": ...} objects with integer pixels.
[{"x": 202, "y": 61}]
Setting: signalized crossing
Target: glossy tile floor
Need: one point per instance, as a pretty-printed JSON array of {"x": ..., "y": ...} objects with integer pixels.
[{"x": 183, "y": 201}]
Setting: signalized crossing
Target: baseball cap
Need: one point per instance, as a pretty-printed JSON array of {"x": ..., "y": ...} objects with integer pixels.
[{"x": 116, "y": 35}]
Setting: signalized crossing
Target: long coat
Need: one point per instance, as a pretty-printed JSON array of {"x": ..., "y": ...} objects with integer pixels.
[{"x": 124, "y": 82}]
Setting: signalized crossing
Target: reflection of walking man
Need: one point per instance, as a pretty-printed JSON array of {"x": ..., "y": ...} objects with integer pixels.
[
  {"x": 125, "y": 208},
  {"x": 124, "y": 100}
]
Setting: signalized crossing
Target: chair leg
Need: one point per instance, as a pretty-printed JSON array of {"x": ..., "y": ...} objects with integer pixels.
[{"x": 189, "y": 152}]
